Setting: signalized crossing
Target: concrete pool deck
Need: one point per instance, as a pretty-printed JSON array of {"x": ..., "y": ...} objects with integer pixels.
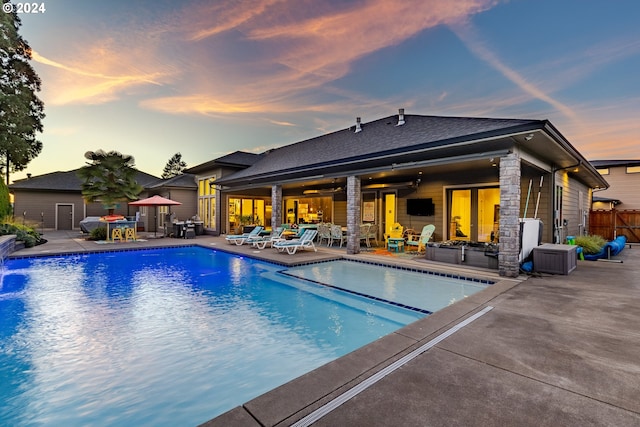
[{"x": 553, "y": 350}]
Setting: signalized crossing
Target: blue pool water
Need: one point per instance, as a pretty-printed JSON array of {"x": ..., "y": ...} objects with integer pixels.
[{"x": 172, "y": 336}]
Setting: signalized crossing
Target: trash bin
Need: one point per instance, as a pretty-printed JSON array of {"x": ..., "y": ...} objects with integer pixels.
[{"x": 199, "y": 228}]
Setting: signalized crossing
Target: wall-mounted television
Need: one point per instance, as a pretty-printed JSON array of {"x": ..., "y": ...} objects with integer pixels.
[{"x": 420, "y": 207}]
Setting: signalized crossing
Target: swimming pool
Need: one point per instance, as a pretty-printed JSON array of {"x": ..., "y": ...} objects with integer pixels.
[{"x": 166, "y": 337}]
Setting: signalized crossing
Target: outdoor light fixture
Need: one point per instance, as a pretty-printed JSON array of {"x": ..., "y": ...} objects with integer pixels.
[{"x": 528, "y": 137}]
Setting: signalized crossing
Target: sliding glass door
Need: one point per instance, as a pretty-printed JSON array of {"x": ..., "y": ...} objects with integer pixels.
[{"x": 474, "y": 214}]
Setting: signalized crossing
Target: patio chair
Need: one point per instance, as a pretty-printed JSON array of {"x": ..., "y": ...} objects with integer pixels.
[
  {"x": 372, "y": 233},
  {"x": 364, "y": 231},
  {"x": 420, "y": 242},
  {"x": 324, "y": 232},
  {"x": 395, "y": 232},
  {"x": 240, "y": 239},
  {"x": 336, "y": 234},
  {"x": 130, "y": 234},
  {"x": 304, "y": 242},
  {"x": 261, "y": 242},
  {"x": 116, "y": 234}
]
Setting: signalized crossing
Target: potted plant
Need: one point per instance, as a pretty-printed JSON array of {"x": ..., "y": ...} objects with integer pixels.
[{"x": 245, "y": 224}]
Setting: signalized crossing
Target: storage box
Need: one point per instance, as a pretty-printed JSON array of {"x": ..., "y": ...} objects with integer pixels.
[{"x": 555, "y": 259}]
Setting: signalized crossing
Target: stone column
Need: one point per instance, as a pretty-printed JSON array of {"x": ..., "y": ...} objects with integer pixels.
[
  {"x": 276, "y": 206},
  {"x": 508, "y": 264},
  {"x": 354, "y": 201}
]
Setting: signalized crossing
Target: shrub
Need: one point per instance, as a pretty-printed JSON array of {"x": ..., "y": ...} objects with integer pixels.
[
  {"x": 24, "y": 233},
  {"x": 590, "y": 244},
  {"x": 99, "y": 233}
]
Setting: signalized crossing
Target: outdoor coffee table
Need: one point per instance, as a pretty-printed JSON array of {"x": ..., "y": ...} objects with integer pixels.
[{"x": 395, "y": 243}]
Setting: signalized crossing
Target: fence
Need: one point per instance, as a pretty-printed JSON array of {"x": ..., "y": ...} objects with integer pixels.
[{"x": 613, "y": 223}]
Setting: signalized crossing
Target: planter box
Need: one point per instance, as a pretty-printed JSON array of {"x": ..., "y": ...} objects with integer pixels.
[
  {"x": 555, "y": 259},
  {"x": 473, "y": 256}
]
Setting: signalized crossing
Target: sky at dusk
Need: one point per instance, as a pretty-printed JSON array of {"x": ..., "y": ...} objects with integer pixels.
[{"x": 151, "y": 78}]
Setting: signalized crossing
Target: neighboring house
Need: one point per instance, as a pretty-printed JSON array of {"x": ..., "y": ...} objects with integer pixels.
[
  {"x": 54, "y": 200},
  {"x": 470, "y": 177},
  {"x": 616, "y": 210},
  {"x": 623, "y": 177}
]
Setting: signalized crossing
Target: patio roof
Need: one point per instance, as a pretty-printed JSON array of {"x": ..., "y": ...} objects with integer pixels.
[{"x": 384, "y": 144}]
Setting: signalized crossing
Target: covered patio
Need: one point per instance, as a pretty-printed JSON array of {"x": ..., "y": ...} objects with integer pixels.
[{"x": 479, "y": 176}]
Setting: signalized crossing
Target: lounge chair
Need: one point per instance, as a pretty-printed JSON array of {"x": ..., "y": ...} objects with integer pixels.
[
  {"x": 261, "y": 242},
  {"x": 420, "y": 242},
  {"x": 240, "y": 239},
  {"x": 304, "y": 242}
]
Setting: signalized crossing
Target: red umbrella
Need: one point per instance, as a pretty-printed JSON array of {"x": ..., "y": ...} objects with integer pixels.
[{"x": 155, "y": 201}]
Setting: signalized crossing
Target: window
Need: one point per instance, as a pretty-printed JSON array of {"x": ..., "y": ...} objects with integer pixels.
[
  {"x": 633, "y": 169},
  {"x": 248, "y": 212},
  {"x": 207, "y": 201},
  {"x": 474, "y": 214},
  {"x": 307, "y": 210},
  {"x": 603, "y": 171}
]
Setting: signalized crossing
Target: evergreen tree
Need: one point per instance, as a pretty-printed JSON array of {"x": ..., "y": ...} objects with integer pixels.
[
  {"x": 174, "y": 167},
  {"x": 109, "y": 178},
  {"x": 21, "y": 112},
  {"x": 5, "y": 201}
]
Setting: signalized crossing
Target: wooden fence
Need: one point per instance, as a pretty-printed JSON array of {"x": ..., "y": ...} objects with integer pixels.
[{"x": 613, "y": 223}]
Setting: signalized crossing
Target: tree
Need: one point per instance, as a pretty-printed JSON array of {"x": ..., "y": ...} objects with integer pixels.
[
  {"x": 109, "y": 178},
  {"x": 21, "y": 112},
  {"x": 174, "y": 167},
  {"x": 5, "y": 201}
]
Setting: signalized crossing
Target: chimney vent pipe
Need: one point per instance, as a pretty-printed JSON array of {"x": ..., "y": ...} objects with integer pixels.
[
  {"x": 400, "y": 117},
  {"x": 358, "y": 126}
]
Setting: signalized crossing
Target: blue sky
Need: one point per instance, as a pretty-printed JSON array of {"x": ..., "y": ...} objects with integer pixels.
[{"x": 151, "y": 78}]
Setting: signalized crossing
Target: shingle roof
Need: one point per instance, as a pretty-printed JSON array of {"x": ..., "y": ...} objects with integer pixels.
[
  {"x": 237, "y": 159},
  {"x": 185, "y": 180},
  {"x": 378, "y": 138},
  {"x": 67, "y": 181}
]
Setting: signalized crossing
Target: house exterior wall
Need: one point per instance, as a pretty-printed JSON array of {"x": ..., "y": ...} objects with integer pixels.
[
  {"x": 189, "y": 200},
  {"x": 40, "y": 207},
  {"x": 221, "y": 200},
  {"x": 545, "y": 203},
  {"x": 623, "y": 187},
  {"x": 576, "y": 202}
]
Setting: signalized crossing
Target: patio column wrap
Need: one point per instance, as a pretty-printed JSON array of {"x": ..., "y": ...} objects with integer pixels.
[
  {"x": 354, "y": 196},
  {"x": 510, "y": 174},
  {"x": 276, "y": 206}
]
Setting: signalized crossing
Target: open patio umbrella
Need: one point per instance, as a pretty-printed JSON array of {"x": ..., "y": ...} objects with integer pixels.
[{"x": 155, "y": 201}]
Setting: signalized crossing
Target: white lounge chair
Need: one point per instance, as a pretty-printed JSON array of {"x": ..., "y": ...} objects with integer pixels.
[
  {"x": 261, "y": 242},
  {"x": 304, "y": 242},
  {"x": 240, "y": 239}
]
